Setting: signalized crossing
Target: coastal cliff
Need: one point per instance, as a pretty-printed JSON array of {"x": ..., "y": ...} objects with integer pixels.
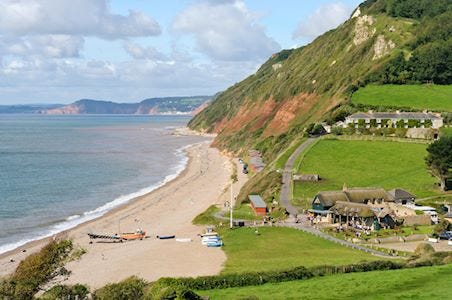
[
  {"x": 152, "y": 106},
  {"x": 383, "y": 42}
]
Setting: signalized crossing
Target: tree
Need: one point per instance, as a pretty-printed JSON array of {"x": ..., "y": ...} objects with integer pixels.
[{"x": 439, "y": 159}]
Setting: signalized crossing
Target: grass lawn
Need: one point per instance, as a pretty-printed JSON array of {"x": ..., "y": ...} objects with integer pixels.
[
  {"x": 446, "y": 131},
  {"x": 434, "y": 97},
  {"x": 418, "y": 283},
  {"x": 281, "y": 161},
  {"x": 207, "y": 217},
  {"x": 278, "y": 248},
  {"x": 244, "y": 212},
  {"x": 365, "y": 164}
]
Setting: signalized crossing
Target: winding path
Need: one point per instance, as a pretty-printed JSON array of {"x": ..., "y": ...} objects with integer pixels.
[{"x": 286, "y": 190}]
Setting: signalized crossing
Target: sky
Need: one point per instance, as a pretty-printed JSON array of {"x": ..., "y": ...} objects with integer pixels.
[{"x": 59, "y": 51}]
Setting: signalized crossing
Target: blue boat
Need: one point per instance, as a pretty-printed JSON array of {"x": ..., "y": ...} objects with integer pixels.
[{"x": 218, "y": 243}]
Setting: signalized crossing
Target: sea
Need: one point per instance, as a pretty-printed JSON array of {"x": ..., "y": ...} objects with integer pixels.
[{"x": 59, "y": 171}]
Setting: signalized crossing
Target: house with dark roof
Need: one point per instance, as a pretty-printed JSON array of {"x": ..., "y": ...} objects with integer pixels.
[
  {"x": 326, "y": 200},
  {"x": 365, "y": 206},
  {"x": 401, "y": 196},
  {"x": 394, "y": 120}
]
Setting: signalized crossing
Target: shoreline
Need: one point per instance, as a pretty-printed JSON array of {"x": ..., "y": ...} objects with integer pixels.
[
  {"x": 179, "y": 169},
  {"x": 140, "y": 205}
]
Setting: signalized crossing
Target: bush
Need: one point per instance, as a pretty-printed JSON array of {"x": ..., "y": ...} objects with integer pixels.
[
  {"x": 130, "y": 288},
  {"x": 337, "y": 130},
  {"x": 35, "y": 270},
  {"x": 77, "y": 291},
  {"x": 424, "y": 249}
]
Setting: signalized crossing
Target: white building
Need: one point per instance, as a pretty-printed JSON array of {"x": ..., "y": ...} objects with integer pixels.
[
  {"x": 428, "y": 210},
  {"x": 391, "y": 119}
]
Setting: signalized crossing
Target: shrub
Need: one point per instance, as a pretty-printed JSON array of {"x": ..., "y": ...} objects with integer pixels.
[
  {"x": 400, "y": 132},
  {"x": 424, "y": 249},
  {"x": 373, "y": 123},
  {"x": 130, "y": 288},
  {"x": 77, "y": 291},
  {"x": 35, "y": 270},
  {"x": 414, "y": 123},
  {"x": 428, "y": 123},
  {"x": 361, "y": 123},
  {"x": 400, "y": 124},
  {"x": 337, "y": 130}
]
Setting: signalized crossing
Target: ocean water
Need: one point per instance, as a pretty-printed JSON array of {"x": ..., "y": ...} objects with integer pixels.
[{"x": 59, "y": 171}]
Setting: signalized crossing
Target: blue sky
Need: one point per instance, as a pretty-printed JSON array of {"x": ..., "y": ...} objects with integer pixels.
[{"x": 58, "y": 51}]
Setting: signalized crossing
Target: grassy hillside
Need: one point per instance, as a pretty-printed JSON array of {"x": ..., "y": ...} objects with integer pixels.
[
  {"x": 282, "y": 248},
  {"x": 365, "y": 164},
  {"x": 431, "y": 97},
  {"x": 397, "y": 41},
  {"x": 420, "y": 283}
]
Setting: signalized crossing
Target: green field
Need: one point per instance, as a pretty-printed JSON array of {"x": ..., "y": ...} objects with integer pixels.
[
  {"x": 433, "y": 97},
  {"x": 277, "y": 248},
  {"x": 419, "y": 283},
  {"x": 365, "y": 164},
  {"x": 446, "y": 131}
]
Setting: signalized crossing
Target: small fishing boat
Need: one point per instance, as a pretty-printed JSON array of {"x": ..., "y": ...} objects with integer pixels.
[
  {"x": 218, "y": 243},
  {"x": 104, "y": 236},
  {"x": 184, "y": 240},
  {"x": 166, "y": 237},
  {"x": 137, "y": 235}
]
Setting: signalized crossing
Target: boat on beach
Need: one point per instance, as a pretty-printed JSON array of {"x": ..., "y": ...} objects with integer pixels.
[
  {"x": 166, "y": 237},
  {"x": 139, "y": 234}
]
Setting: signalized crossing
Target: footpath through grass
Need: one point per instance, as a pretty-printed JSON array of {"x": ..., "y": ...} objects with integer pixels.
[
  {"x": 365, "y": 164},
  {"x": 279, "y": 248},
  {"x": 419, "y": 283},
  {"x": 281, "y": 161},
  {"x": 433, "y": 97}
]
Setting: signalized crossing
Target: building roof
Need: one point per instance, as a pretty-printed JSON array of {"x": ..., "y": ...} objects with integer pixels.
[
  {"x": 401, "y": 194},
  {"x": 395, "y": 115},
  {"x": 257, "y": 201},
  {"x": 330, "y": 198},
  {"x": 353, "y": 209},
  {"x": 355, "y": 195},
  {"x": 359, "y": 195}
]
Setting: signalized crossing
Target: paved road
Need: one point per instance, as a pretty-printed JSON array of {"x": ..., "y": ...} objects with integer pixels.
[{"x": 286, "y": 190}]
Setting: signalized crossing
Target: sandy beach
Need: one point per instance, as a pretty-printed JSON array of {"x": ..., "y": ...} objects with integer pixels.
[{"x": 168, "y": 210}]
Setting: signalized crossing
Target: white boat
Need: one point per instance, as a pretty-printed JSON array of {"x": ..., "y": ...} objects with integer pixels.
[{"x": 184, "y": 240}]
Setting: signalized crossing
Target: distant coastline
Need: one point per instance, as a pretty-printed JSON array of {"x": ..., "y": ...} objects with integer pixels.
[{"x": 173, "y": 106}]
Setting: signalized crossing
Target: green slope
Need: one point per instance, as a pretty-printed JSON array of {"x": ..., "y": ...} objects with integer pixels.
[
  {"x": 392, "y": 41},
  {"x": 283, "y": 248},
  {"x": 431, "y": 97},
  {"x": 365, "y": 164},
  {"x": 419, "y": 283}
]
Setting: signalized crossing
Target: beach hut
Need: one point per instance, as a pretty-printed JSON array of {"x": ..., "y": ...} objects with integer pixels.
[{"x": 258, "y": 205}]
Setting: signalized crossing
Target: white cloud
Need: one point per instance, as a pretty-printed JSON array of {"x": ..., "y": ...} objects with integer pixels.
[
  {"x": 51, "y": 46},
  {"x": 139, "y": 52},
  {"x": 69, "y": 17},
  {"x": 326, "y": 17},
  {"x": 225, "y": 30}
]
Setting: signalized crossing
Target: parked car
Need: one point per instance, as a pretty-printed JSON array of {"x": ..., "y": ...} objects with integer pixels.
[{"x": 445, "y": 235}]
